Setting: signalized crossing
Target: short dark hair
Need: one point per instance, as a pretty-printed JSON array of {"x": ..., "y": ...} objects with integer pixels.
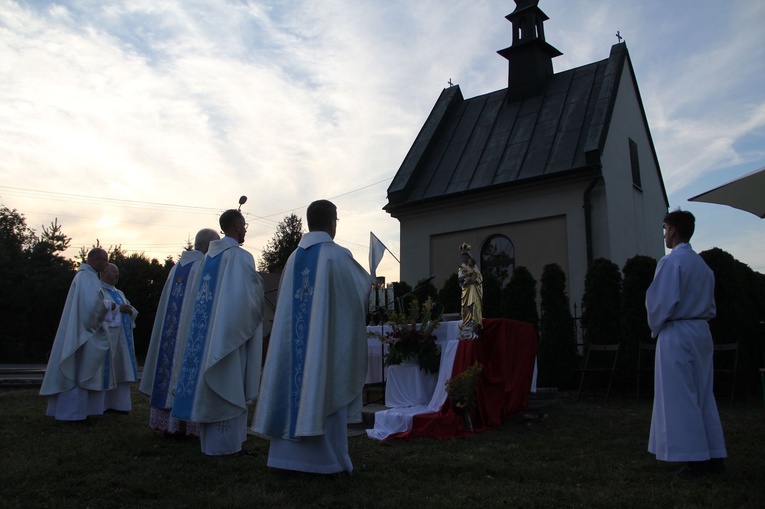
[
  {"x": 320, "y": 215},
  {"x": 229, "y": 219},
  {"x": 95, "y": 253},
  {"x": 683, "y": 221}
]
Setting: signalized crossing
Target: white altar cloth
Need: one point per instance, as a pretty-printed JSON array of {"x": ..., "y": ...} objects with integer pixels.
[
  {"x": 408, "y": 385},
  {"x": 397, "y": 420}
]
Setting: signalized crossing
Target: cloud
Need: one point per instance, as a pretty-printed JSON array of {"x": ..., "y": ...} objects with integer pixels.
[{"x": 197, "y": 102}]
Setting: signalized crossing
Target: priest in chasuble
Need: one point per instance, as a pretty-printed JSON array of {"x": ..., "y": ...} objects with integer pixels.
[
  {"x": 120, "y": 322},
  {"x": 160, "y": 371},
  {"x": 317, "y": 355},
  {"x": 79, "y": 365},
  {"x": 222, "y": 342}
]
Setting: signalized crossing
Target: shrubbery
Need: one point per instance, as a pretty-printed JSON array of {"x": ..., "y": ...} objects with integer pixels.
[{"x": 557, "y": 356}]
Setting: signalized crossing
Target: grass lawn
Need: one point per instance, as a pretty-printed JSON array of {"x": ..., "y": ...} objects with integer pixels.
[{"x": 581, "y": 455}]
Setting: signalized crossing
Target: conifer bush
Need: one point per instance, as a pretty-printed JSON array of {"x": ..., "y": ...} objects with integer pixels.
[
  {"x": 450, "y": 294},
  {"x": 601, "y": 303},
  {"x": 557, "y": 342},
  {"x": 519, "y": 297},
  {"x": 740, "y": 311},
  {"x": 492, "y": 296},
  {"x": 638, "y": 274}
]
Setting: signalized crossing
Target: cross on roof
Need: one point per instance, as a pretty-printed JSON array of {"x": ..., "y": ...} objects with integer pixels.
[{"x": 619, "y": 36}]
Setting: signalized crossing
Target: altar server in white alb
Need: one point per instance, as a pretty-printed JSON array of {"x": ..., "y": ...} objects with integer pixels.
[
  {"x": 317, "y": 356},
  {"x": 120, "y": 321},
  {"x": 160, "y": 371},
  {"x": 78, "y": 369},
  {"x": 223, "y": 342},
  {"x": 685, "y": 425}
]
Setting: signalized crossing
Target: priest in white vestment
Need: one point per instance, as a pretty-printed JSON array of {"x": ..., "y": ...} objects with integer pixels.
[
  {"x": 79, "y": 364},
  {"x": 223, "y": 342},
  {"x": 685, "y": 425},
  {"x": 120, "y": 321},
  {"x": 160, "y": 370},
  {"x": 317, "y": 355}
]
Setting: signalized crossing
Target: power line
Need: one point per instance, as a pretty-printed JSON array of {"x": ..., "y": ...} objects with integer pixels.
[
  {"x": 171, "y": 207},
  {"x": 82, "y": 198},
  {"x": 303, "y": 207}
]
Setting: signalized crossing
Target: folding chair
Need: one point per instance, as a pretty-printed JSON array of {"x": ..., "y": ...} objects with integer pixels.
[
  {"x": 645, "y": 363},
  {"x": 725, "y": 368},
  {"x": 600, "y": 363}
]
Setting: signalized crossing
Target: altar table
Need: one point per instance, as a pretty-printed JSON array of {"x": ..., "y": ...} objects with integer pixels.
[{"x": 507, "y": 352}]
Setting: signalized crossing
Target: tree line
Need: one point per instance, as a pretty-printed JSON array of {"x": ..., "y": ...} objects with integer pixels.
[
  {"x": 613, "y": 311},
  {"x": 37, "y": 278}
]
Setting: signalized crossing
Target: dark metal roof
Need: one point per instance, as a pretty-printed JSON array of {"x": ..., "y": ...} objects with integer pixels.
[{"x": 491, "y": 140}]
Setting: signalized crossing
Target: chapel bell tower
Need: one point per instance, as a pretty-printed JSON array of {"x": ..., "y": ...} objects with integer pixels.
[{"x": 530, "y": 57}]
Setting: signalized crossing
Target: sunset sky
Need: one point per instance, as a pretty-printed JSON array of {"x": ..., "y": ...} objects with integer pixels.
[{"x": 138, "y": 122}]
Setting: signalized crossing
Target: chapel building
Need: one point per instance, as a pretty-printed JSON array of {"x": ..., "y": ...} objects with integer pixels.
[{"x": 555, "y": 168}]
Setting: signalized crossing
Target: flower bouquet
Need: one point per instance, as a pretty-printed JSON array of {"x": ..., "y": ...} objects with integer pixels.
[
  {"x": 461, "y": 389},
  {"x": 411, "y": 337}
]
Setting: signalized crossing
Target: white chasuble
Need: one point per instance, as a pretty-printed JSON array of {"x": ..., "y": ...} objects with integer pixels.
[
  {"x": 223, "y": 339},
  {"x": 81, "y": 346},
  {"x": 317, "y": 356}
]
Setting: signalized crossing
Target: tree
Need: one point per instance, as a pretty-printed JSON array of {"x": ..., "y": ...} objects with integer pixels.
[
  {"x": 557, "y": 342},
  {"x": 450, "y": 294},
  {"x": 15, "y": 237},
  {"x": 280, "y": 247},
  {"x": 492, "y": 296},
  {"x": 426, "y": 291},
  {"x": 519, "y": 297},
  {"x": 638, "y": 273},
  {"x": 117, "y": 255},
  {"x": 52, "y": 239},
  {"x": 36, "y": 279},
  {"x": 740, "y": 312},
  {"x": 601, "y": 303},
  {"x": 402, "y": 296},
  {"x": 49, "y": 278}
]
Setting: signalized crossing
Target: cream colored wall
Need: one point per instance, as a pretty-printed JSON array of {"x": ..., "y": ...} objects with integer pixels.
[
  {"x": 634, "y": 215},
  {"x": 545, "y": 222},
  {"x": 537, "y": 243}
]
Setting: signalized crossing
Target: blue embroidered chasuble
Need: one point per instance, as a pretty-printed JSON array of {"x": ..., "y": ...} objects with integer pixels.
[
  {"x": 303, "y": 283},
  {"x": 127, "y": 327},
  {"x": 165, "y": 356},
  {"x": 188, "y": 376}
]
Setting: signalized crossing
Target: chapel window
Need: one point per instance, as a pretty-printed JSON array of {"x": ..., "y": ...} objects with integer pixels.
[
  {"x": 635, "y": 163},
  {"x": 498, "y": 257}
]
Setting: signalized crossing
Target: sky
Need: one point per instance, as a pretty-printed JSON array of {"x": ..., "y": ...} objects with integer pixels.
[{"x": 138, "y": 122}]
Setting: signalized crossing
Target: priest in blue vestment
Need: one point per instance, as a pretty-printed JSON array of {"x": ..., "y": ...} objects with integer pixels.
[
  {"x": 160, "y": 370},
  {"x": 223, "y": 340},
  {"x": 120, "y": 322},
  {"x": 317, "y": 355}
]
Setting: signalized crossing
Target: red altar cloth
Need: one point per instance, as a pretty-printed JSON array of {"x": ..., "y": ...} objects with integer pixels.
[{"x": 507, "y": 352}]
